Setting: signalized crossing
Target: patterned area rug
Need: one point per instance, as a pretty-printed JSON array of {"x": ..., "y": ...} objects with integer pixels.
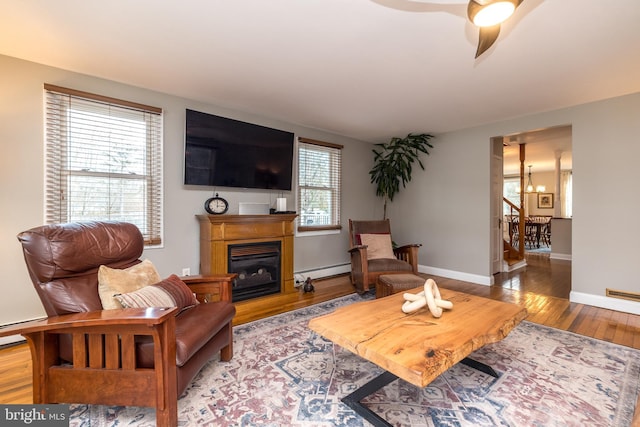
[
  {"x": 540, "y": 250},
  {"x": 283, "y": 374}
]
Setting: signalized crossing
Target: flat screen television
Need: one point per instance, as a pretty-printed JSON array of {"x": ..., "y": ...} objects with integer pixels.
[{"x": 229, "y": 153}]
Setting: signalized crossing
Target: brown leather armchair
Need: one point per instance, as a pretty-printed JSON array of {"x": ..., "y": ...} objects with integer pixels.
[
  {"x": 132, "y": 356},
  {"x": 365, "y": 271}
]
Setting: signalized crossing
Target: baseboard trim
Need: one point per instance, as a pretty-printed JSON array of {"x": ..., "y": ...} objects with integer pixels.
[
  {"x": 328, "y": 271},
  {"x": 555, "y": 255},
  {"x": 449, "y": 274},
  {"x": 12, "y": 340},
  {"x": 506, "y": 268},
  {"x": 616, "y": 304},
  {"x": 457, "y": 275}
]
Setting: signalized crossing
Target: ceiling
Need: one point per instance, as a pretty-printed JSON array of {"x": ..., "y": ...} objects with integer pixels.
[
  {"x": 366, "y": 69},
  {"x": 541, "y": 147}
]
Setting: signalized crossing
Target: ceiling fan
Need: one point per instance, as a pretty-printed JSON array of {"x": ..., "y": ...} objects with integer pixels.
[{"x": 488, "y": 15}]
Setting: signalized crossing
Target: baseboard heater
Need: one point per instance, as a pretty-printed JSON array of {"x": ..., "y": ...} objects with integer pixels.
[
  {"x": 614, "y": 293},
  {"x": 322, "y": 272}
]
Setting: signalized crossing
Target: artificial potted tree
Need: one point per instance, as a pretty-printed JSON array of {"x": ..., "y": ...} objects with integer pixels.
[{"x": 394, "y": 164}]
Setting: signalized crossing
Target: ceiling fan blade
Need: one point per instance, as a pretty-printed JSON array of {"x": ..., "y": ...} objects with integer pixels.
[{"x": 488, "y": 36}]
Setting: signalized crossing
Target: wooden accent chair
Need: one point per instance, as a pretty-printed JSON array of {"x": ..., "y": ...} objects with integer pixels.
[
  {"x": 83, "y": 353},
  {"x": 365, "y": 267}
]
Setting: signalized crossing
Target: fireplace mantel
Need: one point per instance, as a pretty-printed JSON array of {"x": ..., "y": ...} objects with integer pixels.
[{"x": 217, "y": 232}]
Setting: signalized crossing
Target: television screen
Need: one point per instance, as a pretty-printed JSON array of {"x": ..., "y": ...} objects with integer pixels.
[{"x": 229, "y": 153}]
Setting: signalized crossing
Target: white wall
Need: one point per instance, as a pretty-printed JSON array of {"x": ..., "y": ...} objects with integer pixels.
[
  {"x": 606, "y": 202},
  {"x": 22, "y": 191},
  {"x": 447, "y": 207},
  {"x": 541, "y": 178}
]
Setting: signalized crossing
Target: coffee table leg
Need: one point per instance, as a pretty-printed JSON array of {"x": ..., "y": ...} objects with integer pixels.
[
  {"x": 353, "y": 400},
  {"x": 479, "y": 366}
]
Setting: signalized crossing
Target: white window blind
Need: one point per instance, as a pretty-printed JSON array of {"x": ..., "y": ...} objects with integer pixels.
[
  {"x": 319, "y": 183},
  {"x": 103, "y": 160}
]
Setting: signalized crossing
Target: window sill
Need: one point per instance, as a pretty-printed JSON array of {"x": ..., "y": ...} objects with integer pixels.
[{"x": 310, "y": 233}]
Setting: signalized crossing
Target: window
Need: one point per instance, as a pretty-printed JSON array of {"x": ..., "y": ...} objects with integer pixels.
[
  {"x": 103, "y": 160},
  {"x": 319, "y": 176},
  {"x": 566, "y": 194},
  {"x": 511, "y": 192}
]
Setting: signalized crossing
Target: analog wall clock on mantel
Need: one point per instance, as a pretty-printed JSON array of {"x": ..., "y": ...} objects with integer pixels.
[{"x": 216, "y": 205}]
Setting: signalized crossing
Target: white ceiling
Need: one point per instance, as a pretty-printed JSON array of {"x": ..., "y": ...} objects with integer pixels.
[
  {"x": 541, "y": 148},
  {"x": 367, "y": 69}
]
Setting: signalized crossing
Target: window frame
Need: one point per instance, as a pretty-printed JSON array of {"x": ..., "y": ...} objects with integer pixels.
[
  {"x": 335, "y": 186},
  {"x": 511, "y": 179},
  {"x": 113, "y": 117}
]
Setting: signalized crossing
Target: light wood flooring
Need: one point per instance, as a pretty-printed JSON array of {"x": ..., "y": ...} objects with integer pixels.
[{"x": 542, "y": 288}]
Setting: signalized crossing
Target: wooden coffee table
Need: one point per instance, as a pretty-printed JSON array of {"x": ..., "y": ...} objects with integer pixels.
[{"x": 416, "y": 347}]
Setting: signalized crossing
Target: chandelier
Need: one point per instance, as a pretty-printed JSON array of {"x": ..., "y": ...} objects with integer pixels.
[{"x": 530, "y": 187}]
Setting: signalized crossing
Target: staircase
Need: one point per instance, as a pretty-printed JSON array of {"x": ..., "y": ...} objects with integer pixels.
[{"x": 513, "y": 248}]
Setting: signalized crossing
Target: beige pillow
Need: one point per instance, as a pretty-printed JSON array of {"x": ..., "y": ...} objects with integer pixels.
[
  {"x": 112, "y": 281},
  {"x": 378, "y": 245},
  {"x": 171, "y": 292}
]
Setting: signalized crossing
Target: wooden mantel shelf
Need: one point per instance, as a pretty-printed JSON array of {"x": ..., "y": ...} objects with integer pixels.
[
  {"x": 248, "y": 218},
  {"x": 249, "y": 226},
  {"x": 217, "y": 232}
]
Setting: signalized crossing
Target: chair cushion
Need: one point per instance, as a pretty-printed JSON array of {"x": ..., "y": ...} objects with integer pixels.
[
  {"x": 388, "y": 284},
  {"x": 171, "y": 292},
  {"x": 63, "y": 261},
  {"x": 112, "y": 281},
  {"x": 59, "y": 251},
  {"x": 378, "y": 245},
  {"x": 195, "y": 327}
]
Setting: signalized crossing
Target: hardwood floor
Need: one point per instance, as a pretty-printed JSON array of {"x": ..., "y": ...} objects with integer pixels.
[{"x": 542, "y": 288}]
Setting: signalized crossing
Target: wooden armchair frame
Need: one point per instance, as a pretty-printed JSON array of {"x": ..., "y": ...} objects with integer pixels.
[
  {"x": 104, "y": 347},
  {"x": 361, "y": 276}
]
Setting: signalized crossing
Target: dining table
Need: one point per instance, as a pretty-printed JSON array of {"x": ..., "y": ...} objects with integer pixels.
[{"x": 532, "y": 229}]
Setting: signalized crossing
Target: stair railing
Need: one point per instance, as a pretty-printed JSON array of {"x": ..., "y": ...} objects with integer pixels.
[{"x": 515, "y": 212}]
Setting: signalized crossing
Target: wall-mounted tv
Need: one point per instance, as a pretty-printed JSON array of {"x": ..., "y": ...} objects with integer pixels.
[{"x": 223, "y": 152}]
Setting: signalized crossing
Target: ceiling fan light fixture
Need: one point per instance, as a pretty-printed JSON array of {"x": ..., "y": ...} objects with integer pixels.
[{"x": 491, "y": 12}]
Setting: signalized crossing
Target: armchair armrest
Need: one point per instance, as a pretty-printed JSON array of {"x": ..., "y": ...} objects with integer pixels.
[
  {"x": 69, "y": 323},
  {"x": 358, "y": 256},
  {"x": 359, "y": 267},
  {"x": 409, "y": 253},
  {"x": 357, "y": 249},
  {"x": 408, "y": 247},
  {"x": 103, "y": 348},
  {"x": 211, "y": 287}
]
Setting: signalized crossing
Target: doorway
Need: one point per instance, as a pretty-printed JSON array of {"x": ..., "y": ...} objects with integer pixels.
[{"x": 546, "y": 164}]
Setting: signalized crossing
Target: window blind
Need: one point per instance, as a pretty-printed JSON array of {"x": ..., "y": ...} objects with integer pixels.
[
  {"x": 319, "y": 185},
  {"x": 103, "y": 160}
]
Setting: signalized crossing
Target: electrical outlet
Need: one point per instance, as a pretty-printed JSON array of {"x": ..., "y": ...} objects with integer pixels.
[
  {"x": 186, "y": 271},
  {"x": 299, "y": 279}
]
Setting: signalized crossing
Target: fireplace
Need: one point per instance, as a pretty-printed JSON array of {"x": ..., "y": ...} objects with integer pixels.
[
  {"x": 258, "y": 269},
  {"x": 231, "y": 243}
]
